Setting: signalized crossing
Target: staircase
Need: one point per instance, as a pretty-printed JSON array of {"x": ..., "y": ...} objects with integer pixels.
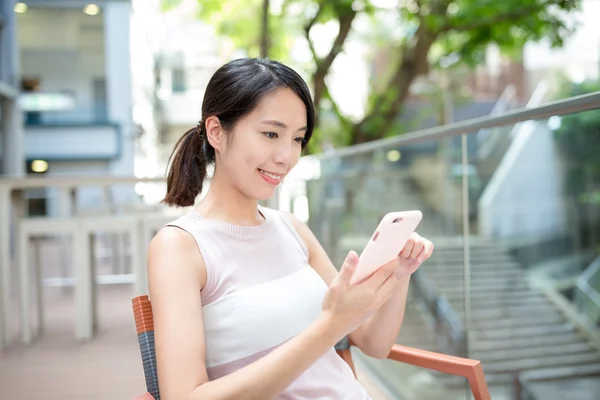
[{"x": 514, "y": 328}]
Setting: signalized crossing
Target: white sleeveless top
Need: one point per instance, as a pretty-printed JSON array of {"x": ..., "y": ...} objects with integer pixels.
[{"x": 261, "y": 292}]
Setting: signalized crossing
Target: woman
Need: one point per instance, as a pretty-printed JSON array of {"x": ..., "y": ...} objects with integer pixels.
[{"x": 246, "y": 303}]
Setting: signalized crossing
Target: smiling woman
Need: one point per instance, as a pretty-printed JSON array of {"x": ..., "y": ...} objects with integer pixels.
[
  {"x": 246, "y": 303},
  {"x": 266, "y": 106}
]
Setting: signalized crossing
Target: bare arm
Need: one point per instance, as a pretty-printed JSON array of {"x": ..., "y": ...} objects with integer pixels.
[
  {"x": 176, "y": 275},
  {"x": 377, "y": 335}
]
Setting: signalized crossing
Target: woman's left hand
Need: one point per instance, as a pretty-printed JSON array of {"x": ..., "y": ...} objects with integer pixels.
[{"x": 415, "y": 252}]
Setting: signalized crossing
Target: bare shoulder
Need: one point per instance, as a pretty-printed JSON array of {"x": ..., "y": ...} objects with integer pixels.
[
  {"x": 175, "y": 281},
  {"x": 171, "y": 238},
  {"x": 173, "y": 255}
]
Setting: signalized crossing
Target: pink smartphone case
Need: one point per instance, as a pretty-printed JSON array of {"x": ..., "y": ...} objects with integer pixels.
[{"x": 387, "y": 242}]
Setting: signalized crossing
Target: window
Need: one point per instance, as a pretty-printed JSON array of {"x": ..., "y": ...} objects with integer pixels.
[{"x": 178, "y": 80}]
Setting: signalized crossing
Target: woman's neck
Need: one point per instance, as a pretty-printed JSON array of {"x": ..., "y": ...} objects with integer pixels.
[{"x": 225, "y": 203}]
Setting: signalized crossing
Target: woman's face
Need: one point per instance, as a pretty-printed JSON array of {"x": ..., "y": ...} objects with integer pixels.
[{"x": 265, "y": 145}]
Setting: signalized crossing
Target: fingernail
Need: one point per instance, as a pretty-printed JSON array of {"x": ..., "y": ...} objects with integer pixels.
[{"x": 352, "y": 258}]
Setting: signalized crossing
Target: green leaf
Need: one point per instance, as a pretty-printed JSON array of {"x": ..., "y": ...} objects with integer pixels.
[{"x": 461, "y": 31}]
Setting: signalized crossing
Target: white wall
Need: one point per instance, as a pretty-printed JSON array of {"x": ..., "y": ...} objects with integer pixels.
[
  {"x": 146, "y": 33},
  {"x": 40, "y": 142},
  {"x": 525, "y": 195}
]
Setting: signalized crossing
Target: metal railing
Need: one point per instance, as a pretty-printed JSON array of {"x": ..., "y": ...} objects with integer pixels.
[
  {"x": 13, "y": 213},
  {"x": 587, "y": 284},
  {"x": 450, "y": 332},
  {"x": 556, "y": 108}
]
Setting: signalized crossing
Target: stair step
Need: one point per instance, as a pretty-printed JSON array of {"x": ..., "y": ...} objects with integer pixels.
[
  {"x": 514, "y": 311},
  {"x": 559, "y": 339},
  {"x": 537, "y": 374},
  {"x": 458, "y": 259},
  {"x": 532, "y": 320},
  {"x": 526, "y": 298},
  {"x": 519, "y": 332},
  {"x": 476, "y": 266},
  {"x": 490, "y": 286},
  {"x": 456, "y": 269},
  {"x": 496, "y": 295},
  {"x": 531, "y": 352},
  {"x": 472, "y": 250},
  {"x": 533, "y": 363},
  {"x": 571, "y": 371},
  {"x": 458, "y": 274}
]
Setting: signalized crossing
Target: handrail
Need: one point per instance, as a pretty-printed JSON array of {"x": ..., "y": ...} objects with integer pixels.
[
  {"x": 501, "y": 105},
  {"x": 440, "y": 309},
  {"x": 21, "y": 182},
  {"x": 591, "y": 270},
  {"x": 574, "y": 104},
  {"x": 583, "y": 281}
]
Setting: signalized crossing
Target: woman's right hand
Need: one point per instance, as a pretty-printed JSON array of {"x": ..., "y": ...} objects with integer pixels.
[{"x": 347, "y": 306}]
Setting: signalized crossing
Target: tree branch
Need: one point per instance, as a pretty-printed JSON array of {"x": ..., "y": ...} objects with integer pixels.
[
  {"x": 322, "y": 65},
  {"x": 387, "y": 106},
  {"x": 309, "y": 25},
  {"x": 498, "y": 18},
  {"x": 345, "y": 24}
]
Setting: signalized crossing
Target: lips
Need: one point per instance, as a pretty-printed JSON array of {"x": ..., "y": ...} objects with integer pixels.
[{"x": 270, "y": 177}]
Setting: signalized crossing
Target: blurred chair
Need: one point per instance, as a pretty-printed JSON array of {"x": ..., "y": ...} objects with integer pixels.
[
  {"x": 29, "y": 228},
  {"x": 470, "y": 369}
]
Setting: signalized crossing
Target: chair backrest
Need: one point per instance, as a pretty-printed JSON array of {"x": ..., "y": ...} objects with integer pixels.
[{"x": 144, "y": 323}]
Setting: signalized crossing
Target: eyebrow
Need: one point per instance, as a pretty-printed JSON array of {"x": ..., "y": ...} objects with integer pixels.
[{"x": 281, "y": 124}]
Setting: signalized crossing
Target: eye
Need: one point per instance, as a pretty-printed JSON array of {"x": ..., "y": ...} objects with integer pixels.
[
  {"x": 271, "y": 135},
  {"x": 300, "y": 140}
]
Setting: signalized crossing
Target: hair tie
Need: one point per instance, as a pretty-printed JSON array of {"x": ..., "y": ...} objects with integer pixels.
[{"x": 199, "y": 128}]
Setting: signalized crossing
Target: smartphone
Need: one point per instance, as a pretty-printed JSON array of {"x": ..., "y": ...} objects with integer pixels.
[{"x": 387, "y": 242}]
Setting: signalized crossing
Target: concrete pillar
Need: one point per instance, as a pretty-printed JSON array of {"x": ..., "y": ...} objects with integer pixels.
[
  {"x": 117, "y": 16},
  {"x": 12, "y": 122},
  {"x": 117, "y": 22},
  {"x": 13, "y": 156}
]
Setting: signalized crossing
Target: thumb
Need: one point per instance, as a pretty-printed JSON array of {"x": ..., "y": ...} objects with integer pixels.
[{"x": 349, "y": 266}]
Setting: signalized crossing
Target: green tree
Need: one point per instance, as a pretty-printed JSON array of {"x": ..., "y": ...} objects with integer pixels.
[
  {"x": 434, "y": 33},
  {"x": 578, "y": 138}
]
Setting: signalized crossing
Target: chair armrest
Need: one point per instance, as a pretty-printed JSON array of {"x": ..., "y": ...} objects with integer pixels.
[{"x": 470, "y": 369}]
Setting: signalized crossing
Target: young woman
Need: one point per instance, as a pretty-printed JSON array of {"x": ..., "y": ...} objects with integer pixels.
[{"x": 246, "y": 303}]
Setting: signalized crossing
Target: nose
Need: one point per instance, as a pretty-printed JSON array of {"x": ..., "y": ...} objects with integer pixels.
[{"x": 283, "y": 154}]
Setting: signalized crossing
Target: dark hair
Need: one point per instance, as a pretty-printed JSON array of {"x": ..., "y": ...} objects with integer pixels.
[{"x": 232, "y": 92}]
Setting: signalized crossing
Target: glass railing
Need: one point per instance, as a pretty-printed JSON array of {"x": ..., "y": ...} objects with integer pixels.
[
  {"x": 510, "y": 246},
  {"x": 587, "y": 293}
]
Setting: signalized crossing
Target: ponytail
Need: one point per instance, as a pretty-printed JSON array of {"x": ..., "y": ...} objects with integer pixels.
[{"x": 190, "y": 158}]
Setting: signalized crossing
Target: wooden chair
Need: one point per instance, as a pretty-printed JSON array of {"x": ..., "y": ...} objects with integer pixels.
[{"x": 470, "y": 369}]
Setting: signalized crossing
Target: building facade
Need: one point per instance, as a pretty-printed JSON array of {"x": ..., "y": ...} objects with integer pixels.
[{"x": 69, "y": 106}]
